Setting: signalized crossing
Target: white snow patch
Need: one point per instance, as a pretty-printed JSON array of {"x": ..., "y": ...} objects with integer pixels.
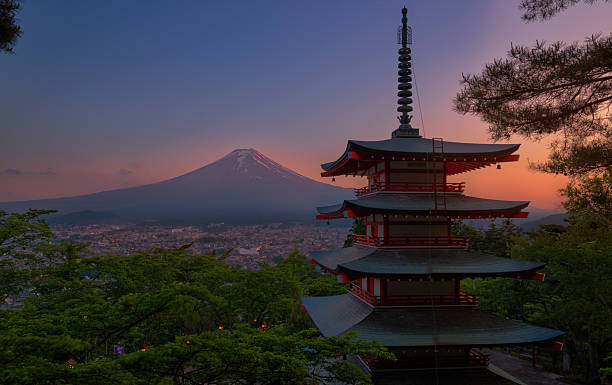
[{"x": 242, "y": 158}]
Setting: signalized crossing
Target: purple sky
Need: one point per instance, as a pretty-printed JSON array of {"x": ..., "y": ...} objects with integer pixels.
[{"x": 109, "y": 94}]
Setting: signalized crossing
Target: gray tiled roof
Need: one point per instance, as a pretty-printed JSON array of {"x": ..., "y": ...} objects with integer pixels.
[
  {"x": 418, "y": 146},
  {"x": 351, "y": 311},
  {"x": 420, "y": 327},
  {"x": 444, "y": 376},
  {"x": 421, "y": 262},
  {"x": 424, "y": 203}
]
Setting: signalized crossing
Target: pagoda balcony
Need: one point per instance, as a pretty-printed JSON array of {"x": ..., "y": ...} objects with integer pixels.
[
  {"x": 412, "y": 187},
  {"x": 473, "y": 358},
  {"x": 463, "y": 298},
  {"x": 443, "y": 242}
]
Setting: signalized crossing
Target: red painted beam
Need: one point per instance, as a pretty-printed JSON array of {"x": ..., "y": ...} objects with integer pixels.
[
  {"x": 344, "y": 278},
  {"x": 535, "y": 276},
  {"x": 555, "y": 346},
  {"x": 334, "y": 216},
  {"x": 520, "y": 214}
]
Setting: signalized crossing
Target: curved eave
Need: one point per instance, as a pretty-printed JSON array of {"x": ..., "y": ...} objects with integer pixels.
[
  {"x": 420, "y": 327},
  {"x": 463, "y": 157},
  {"x": 447, "y": 327},
  {"x": 457, "y": 206},
  {"x": 360, "y": 261}
]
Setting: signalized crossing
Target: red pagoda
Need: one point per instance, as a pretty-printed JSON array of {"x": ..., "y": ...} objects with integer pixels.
[{"x": 404, "y": 274}]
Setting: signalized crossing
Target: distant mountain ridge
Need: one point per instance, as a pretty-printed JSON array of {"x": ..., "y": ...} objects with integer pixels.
[
  {"x": 555, "y": 219},
  {"x": 243, "y": 186}
]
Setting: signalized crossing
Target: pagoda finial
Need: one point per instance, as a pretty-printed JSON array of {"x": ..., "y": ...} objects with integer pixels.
[{"x": 405, "y": 80}]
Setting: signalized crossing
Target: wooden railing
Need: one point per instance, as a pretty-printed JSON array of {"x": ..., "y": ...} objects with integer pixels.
[
  {"x": 412, "y": 187},
  {"x": 463, "y": 298},
  {"x": 452, "y": 241},
  {"x": 472, "y": 359},
  {"x": 361, "y": 293}
]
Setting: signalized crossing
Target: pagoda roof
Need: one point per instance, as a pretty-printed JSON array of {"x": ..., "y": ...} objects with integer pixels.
[
  {"x": 457, "y": 205},
  {"x": 420, "y": 326},
  {"x": 441, "y": 262},
  {"x": 491, "y": 375},
  {"x": 405, "y": 148}
]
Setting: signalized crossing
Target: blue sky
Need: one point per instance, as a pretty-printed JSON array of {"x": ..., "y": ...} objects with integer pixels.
[{"x": 109, "y": 94}]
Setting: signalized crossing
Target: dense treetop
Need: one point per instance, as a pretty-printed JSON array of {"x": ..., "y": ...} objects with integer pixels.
[{"x": 180, "y": 317}]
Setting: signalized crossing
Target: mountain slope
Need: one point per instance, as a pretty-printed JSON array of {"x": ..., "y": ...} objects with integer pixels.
[{"x": 243, "y": 186}]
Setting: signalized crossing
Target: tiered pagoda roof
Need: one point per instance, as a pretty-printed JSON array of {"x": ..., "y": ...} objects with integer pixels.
[
  {"x": 422, "y": 262},
  {"x": 456, "y": 206},
  {"x": 459, "y": 157},
  {"x": 419, "y": 326},
  {"x": 473, "y": 376}
]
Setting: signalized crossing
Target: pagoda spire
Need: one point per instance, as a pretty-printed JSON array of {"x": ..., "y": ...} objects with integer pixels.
[{"x": 405, "y": 81}]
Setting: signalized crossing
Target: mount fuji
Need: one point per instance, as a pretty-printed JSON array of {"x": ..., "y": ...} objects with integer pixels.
[{"x": 243, "y": 186}]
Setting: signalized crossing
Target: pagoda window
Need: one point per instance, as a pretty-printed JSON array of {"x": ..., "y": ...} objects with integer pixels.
[
  {"x": 380, "y": 232},
  {"x": 380, "y": 166},
  {"x": 416, "y": 177},
  {"x": 370, "y": 287},
  {"x": 369, "y": 230},
  {"x": 398, "y": 165},
  {"x": 364, "y": 283},
  {"x": 377, "y": 287}
]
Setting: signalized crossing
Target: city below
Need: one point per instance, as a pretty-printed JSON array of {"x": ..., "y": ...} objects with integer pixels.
[{"x": 247, "y": 245}]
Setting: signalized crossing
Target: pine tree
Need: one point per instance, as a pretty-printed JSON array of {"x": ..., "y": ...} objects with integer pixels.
[{"x": 559, "y": 90}]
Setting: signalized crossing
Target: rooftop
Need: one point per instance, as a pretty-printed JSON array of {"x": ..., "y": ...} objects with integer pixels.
[
  {"x": 420, "y": 327},
  {"x": 441, "y": 262},
  {"x": 454, "y": 205},
  {"x": 459, "y": 157},
  {"x": 472, "y": 376}
]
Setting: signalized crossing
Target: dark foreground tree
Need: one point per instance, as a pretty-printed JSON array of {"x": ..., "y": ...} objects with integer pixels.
[
  {"x": 559, "y": 90},
  {"x": 9, "y": 30},
  {"x": 545, "y": 9}
]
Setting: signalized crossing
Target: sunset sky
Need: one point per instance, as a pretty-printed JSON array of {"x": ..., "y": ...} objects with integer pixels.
[{"x": 109, "y": 94}]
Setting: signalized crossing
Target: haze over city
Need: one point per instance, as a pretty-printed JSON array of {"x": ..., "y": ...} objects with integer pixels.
[{"x": 126, "y": 94}]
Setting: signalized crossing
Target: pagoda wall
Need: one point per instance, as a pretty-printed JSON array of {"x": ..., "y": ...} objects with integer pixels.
[
  {"x": 407, "y": 226},
  {"x": 406, "y": 172},
  {"x": 418, "y": 230},
  {"x": 433, "y": 358},
  {"x": 414, "y": 287}
]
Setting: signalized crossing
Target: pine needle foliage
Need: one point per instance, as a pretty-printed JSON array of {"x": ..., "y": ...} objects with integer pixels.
[
  {"x": 557, "y": 90},
  {"x": 9, "y": 30}
]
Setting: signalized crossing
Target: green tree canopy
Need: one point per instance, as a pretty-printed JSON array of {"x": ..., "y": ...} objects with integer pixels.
[{"x": 180, "y": 318}]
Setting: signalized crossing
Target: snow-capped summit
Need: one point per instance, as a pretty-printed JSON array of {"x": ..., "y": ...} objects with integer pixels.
[{"x": 249, "y": 160}]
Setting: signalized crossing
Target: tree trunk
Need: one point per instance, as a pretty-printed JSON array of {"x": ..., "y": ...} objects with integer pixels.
[
  {"x": 592, "y": 368},
  {"x": 567, "y": 364}
]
